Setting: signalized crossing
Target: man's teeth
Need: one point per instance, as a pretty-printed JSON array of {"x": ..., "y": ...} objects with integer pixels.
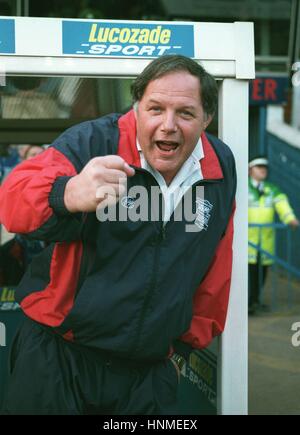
[{"x": 166, "y": 146}]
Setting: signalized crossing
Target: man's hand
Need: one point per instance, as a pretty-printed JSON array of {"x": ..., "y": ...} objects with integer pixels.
[{"x": 103, "y": 178}]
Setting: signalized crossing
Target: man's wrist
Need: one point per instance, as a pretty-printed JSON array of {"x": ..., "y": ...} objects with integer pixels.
[
  {"x": 57, "y": 196},
  {"x": 69, "y": 197}
]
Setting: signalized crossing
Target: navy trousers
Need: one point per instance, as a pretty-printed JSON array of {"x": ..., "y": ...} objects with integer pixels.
[{"x": 50, "y": 376}]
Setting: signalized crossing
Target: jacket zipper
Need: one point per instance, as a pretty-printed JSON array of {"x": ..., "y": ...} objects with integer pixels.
[
  {"x": 152, "y": 286},
  {"x": 160, "y": 237},
  {"x": 154, "y": 276}
]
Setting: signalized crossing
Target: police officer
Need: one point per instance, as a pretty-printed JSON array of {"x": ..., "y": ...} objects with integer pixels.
[{"x": 264, "y": 200}]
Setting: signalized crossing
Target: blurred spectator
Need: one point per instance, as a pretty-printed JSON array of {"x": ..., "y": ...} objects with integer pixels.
[
  {"x": 32, "y": 151},
  {"x": 264, "y": 201},
  {"x": 9, "y": 158},
  {"x": 12, "y": 155}
]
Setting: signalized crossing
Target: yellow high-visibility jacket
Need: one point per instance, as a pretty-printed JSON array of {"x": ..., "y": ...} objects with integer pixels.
[{"x": 261, "y": 210}]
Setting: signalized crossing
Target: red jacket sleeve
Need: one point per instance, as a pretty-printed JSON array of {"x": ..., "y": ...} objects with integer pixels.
[
  {"x": 211, "y": 298},
  {"x": 25, "y": 197}
]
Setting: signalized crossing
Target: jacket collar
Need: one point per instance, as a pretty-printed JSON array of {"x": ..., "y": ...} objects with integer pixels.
[{"x": 127, "y": 149}]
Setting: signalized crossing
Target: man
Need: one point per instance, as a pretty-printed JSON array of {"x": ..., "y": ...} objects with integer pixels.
[
  {"x": 115, "y": 306},
  {"x": 264, "y": 200}
]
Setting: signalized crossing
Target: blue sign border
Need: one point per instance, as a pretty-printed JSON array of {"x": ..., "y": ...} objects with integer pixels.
[
  {"x": 106, "y": 39},
  {"x": 7, "y": 36}
]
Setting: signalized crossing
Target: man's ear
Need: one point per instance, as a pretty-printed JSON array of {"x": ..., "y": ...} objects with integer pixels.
[
  {"x": 207, "y": 121},
  {"x": 135, "y": 109}
]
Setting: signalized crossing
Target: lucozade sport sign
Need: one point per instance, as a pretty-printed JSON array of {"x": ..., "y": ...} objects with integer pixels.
[
  {"x": 7, "y": 36},
  {"x": 127, "y": 40}
]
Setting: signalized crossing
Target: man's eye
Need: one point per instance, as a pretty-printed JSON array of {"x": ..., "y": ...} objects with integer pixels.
[
  {"x": 186, "y": 114},
  {"x": 155, "y": 109}
]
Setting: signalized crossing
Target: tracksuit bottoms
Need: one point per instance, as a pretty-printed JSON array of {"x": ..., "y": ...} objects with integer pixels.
[{"x": 51, "y": 376}]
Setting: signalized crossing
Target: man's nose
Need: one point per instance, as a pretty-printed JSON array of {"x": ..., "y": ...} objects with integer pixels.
[{"x": 169, "y": 124}]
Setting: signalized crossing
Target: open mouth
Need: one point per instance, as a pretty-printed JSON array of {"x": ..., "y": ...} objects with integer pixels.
[{"x": 167, "y": 146}]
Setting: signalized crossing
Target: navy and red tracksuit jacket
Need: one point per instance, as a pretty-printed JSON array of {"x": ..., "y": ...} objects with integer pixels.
[{"x": 136, "y": 289}]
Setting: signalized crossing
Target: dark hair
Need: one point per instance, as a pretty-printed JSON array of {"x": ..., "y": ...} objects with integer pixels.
[{"x": 173, "y": 63}]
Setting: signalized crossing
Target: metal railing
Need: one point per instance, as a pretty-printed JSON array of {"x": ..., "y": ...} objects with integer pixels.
[{"x": 278, "y": 266}]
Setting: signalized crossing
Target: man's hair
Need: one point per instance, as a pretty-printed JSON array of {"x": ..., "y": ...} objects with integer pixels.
[{"x": 174, "y": 63}]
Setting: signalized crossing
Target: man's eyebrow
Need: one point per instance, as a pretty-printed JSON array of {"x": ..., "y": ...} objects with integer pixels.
[
  {"x": 188, "y": 107},
  {"x": 153, "y": 101}
]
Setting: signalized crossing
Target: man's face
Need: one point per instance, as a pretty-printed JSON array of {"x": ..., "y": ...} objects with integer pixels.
[
  {"x": 170, "y": 120},
  {"x": 259, "y": 172}
]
